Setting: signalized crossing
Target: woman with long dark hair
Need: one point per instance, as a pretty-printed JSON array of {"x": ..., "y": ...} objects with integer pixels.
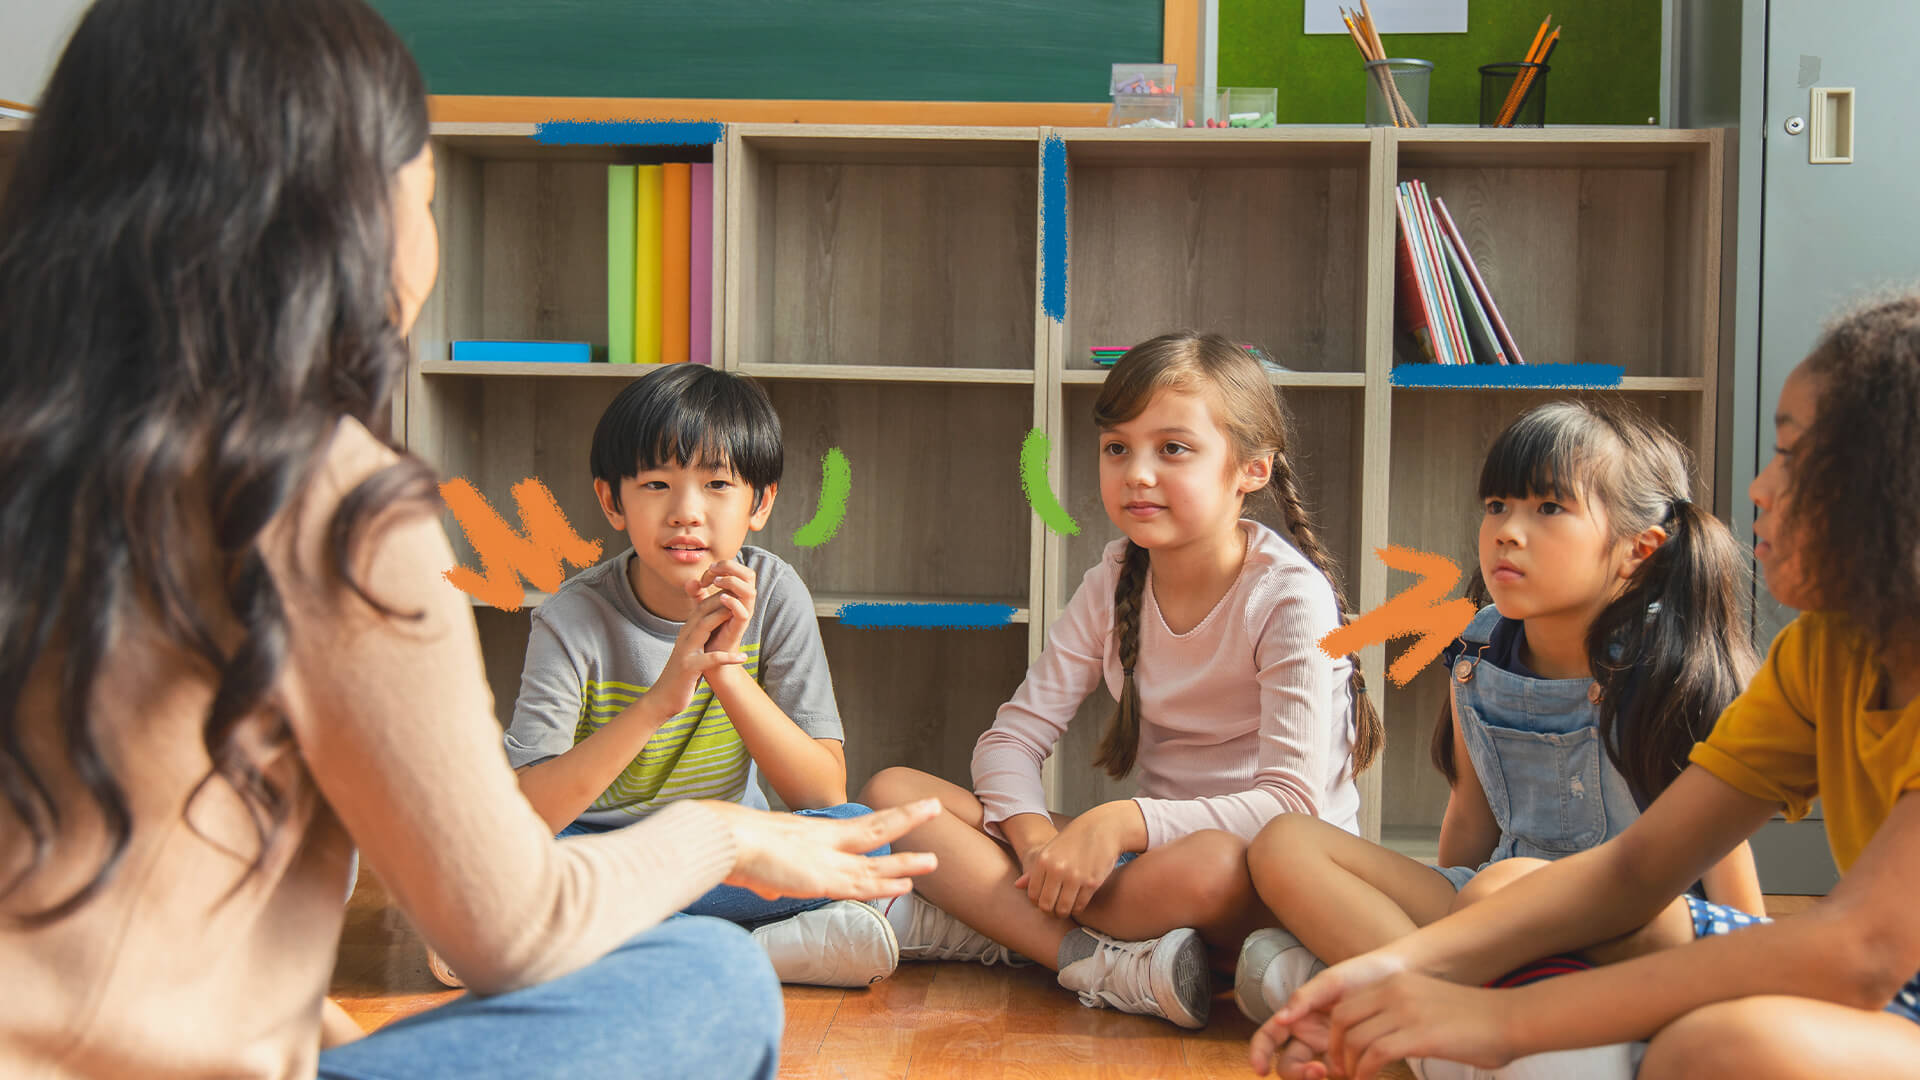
[{"x": 227, "y": 652}]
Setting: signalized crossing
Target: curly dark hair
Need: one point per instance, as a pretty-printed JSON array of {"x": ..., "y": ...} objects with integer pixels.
[
  {"x": 196, "y": 261},
  {"x": 1854, "y": 477}
]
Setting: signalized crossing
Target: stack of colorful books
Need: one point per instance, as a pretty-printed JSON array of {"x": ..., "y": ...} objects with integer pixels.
[
  {"x": 1441, "y": 303},
  {"x": 660, "y": 263}
]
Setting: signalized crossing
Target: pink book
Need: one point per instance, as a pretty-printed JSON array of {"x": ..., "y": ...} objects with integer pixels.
[{"x": 700, "y": 267}]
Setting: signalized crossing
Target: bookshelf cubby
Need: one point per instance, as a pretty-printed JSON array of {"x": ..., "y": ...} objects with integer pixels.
[
  {"x": 1263, "y": 239},
  {"x": 1596, "y": 251},
  {"x": 885, "y": 248},
  {"x": 883, "y": 283}
]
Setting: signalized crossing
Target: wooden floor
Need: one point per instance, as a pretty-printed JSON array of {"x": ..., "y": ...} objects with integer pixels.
[{"x": 927, "y": 1022}]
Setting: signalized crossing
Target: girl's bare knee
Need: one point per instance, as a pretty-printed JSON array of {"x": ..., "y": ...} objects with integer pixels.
[
  {"x": 1494, "y": 878},
  {"x": 894, "y": 786}
]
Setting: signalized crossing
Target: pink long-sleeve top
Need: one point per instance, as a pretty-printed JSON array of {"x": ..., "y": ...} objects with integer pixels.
[{"x": 1243, "y": 717}]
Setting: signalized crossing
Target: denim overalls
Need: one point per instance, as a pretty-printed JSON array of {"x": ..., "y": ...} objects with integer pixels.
[{"x": 1535, "y": 744}]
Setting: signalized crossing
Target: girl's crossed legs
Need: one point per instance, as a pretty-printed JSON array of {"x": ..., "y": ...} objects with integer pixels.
[{"x": 1197, "y": 881}]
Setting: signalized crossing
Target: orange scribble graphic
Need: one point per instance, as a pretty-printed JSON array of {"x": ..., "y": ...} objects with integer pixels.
[
  {"x": 1416, "y": 610},
  {"x": 506, "y": 556}
]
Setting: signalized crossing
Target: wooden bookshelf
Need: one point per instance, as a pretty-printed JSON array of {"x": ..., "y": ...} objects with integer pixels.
[{"x": 884, "y": 284}]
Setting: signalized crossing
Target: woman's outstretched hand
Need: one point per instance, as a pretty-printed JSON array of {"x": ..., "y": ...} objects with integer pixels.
[
  {"x": 779, "y": 855},
  {"x": 1370, "y": 1011}
]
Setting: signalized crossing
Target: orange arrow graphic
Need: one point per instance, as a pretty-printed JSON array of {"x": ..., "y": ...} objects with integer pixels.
[
  {"x": 505, "y": 555},
  {"x": 1417, "y": 610}
]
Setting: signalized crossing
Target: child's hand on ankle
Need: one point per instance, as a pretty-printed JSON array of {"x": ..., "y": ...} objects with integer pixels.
[
  {"x": 1306, "y": 1017},
  {"x": 728, "y": 578},
  {"x": 696, "y": 652},
  {"x": 1062, "y": 875},
  {"x": 1380, "y": 1021},
  {"x": 1295, "y": 1055}
]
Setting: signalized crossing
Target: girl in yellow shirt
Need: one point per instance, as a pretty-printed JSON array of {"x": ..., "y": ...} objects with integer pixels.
[{"x": 1833, "y": 714}]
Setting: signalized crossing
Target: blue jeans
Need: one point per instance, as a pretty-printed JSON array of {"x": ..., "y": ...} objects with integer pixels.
[
  {"x": 742, "y": 906},
  {"x": 692, "y": 998}
]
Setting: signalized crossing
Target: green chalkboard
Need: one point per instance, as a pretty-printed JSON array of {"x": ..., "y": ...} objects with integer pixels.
[
  {"x": 1605, "y": 71},
  {"x": 903, "y": 50}
]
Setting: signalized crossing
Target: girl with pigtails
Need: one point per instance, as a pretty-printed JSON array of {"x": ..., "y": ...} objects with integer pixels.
[{"x": 1205, "y": 627}]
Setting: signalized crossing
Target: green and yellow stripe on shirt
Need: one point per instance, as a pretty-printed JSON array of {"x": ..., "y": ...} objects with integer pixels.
[{"x": 695, "y": 755}]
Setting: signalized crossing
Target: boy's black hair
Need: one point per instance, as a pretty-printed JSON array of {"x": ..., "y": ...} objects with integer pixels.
[{"x": 690, "y": 414}]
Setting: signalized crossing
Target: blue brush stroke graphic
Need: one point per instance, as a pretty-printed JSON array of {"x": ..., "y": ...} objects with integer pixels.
[
  {"x": 1053, "y": 229},
  {"x": 629, "y": 132},
  {"x": 1509, "y": 376},
  {"x": 959, "y": 616}
]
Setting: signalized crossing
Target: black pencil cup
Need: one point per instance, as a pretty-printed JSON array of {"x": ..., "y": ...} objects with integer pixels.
[{"x": 1513, "y": 95}]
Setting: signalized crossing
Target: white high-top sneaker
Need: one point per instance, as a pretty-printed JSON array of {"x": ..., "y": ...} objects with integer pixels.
[
  {"x": 927, "y": 933},
  {"x": 1166, "y": 976},
  {"x": 1273, "y": 964},
  {"x": 844, "y": 943}
]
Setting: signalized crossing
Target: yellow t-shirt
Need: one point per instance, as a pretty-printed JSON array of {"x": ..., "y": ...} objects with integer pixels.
[{"x": 1804, "y": 729}]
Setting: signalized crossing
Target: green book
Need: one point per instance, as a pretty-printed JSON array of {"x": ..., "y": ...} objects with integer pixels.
[{"x": 620, "y": 263}]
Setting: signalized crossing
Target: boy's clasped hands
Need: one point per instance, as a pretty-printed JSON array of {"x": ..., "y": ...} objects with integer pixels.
[
  {"x": 711, "y": 638},
  {"x": 1357, "y": 1017}
]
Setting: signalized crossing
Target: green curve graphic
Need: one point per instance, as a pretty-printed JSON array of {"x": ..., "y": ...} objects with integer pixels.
[
  {"x": 836, "y": 483},
  {"x": 1034, "y": 454}
]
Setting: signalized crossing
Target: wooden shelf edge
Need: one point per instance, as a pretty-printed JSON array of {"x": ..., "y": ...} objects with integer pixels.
[
  {"x": 538, "y": 370},
  {"x": 1305, "y": 380},
  {"x": 1631, "y": 384},
  {"x": 1630, "y": 134},
  {"x": 888, "y": 373}
]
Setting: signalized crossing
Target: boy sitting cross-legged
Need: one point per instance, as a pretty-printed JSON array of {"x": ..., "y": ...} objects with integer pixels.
[{"x": 690, "y": 664}]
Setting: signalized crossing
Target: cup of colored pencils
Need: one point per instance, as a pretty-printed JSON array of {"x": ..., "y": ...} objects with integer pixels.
[
  {"x": 1396, "y": 88},
  {"x": 1515, "y": 95}
]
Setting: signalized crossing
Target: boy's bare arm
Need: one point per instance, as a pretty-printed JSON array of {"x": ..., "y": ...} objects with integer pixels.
[
  {"x": 807, "y": 773},
  {"x": 561, "y": 788}
]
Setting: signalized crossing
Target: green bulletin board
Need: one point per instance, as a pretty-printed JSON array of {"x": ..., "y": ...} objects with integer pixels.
[{"x": 1605, "y": 71}]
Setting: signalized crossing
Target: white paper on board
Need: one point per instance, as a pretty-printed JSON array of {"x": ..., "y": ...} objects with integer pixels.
[{"x": 1392, "y": 16}]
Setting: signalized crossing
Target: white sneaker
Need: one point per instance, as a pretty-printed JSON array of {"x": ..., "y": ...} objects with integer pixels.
[
  {"x": 928, "y": 933},
  {"x": 1618, "y": 1061},
  {"x": 1165, "y": 977},
  {"x": 1273, "y": 964},
  {"x": 844, "y": 943},
  {"x": 442, "y": 972}
]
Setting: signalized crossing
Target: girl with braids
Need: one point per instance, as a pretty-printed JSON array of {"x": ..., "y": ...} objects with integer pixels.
[
  {"x": 228, "y": 654},
  {"x": 1833, "y": 714},
  {"x": 1205, "y": 627},
  {"x": 1617, "y": 633}
]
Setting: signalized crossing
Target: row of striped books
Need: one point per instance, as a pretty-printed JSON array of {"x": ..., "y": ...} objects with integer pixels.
[
  {"x": 660, "y": 263},
  {"x": 1441, "y": 303}
]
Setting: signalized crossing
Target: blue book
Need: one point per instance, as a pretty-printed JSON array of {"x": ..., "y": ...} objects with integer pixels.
[{"x": 523, "y": 352}]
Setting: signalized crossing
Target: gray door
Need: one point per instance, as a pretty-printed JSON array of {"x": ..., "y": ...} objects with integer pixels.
[{"x": 1829, "y": 233}]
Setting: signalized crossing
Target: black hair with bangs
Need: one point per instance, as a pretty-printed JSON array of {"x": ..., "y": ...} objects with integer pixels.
[
  {"x": 1672, "y": 647},
  {"x": 690, "y": 415}
]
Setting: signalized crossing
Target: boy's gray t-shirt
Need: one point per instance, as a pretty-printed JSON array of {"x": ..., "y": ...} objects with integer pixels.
[{"x": 594, "y": 650}]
